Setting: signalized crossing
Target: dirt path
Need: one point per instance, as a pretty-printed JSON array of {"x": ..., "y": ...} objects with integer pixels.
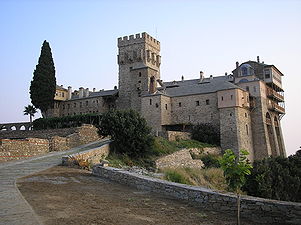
[{"x": 62, "y": 195}]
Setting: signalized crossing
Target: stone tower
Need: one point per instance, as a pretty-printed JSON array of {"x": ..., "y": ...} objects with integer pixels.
[{"x": 139, "y": 69}]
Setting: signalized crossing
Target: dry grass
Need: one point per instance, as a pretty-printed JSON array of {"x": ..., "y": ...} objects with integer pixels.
[
  {"x": 212, "y": 178},
  {"x": 78, "y": 160}
]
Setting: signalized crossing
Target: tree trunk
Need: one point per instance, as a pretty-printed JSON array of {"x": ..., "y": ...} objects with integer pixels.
[{"x": 238, "y": 209}]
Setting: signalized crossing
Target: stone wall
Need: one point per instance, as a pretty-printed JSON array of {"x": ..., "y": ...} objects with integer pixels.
[
  {"x": 180, "y": 158},
  {"x": 177, "y": 135},
  {"x": 195, "y": 109},
  {"x": 22, "y": 148},
  {"x": 257, "y": 209},
  {"x": 53, "y": 140},
  {"x": 92, "y": 155}
]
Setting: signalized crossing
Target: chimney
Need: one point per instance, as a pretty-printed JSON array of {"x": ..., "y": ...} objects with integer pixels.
[
  {"x": 69, "y": 92},
  {"x": 81, "y": 92},
  {"x": 237, "y": 65},
  {"x": 201, "y": 76},
  {"x": 182, "y": 78},
  {"x": 87, "y": 93},
  {"x": 115, "y": 87},
  {"x": 258, "y": 59},
  {"x": 211, "y": 77},
  {"x": 94, "y": 89}
]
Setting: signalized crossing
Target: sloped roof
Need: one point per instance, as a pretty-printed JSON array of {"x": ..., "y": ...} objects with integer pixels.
[
  {"x": 60, "y": 88},
  {"x": 98, "y": 94},
  {"x": 192, "y": 87}
]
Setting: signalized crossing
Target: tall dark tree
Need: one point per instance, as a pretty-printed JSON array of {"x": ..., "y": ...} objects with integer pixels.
[{"x": 43, "y": 84}]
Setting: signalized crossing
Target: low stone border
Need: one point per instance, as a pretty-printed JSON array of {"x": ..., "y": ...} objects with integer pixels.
[
  {"x": 258, "y": 210},
  {"x": 94, "y": 155}
]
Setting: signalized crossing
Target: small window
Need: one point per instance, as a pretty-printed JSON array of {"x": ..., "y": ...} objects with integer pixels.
[
  {"x": 180, "y": 104},
  {"x": 80, "y": 104},
  {"x": 157, "y": 105},
  {"x": 166, "y": 106},
  {"x": 230, "y": 114},
  {"x": 247, "y": 129},
  {"x": 131, "y": 68},
  {"x": 222, "y": 98},
  {"x": 150, "y": 101},
  {"x": 63, "y": 94},
  {"x": 87, "y": 103},
  {"x": 197, "y": 103},
  {"x": 267, "y": 76},
  {"x": 139, "y": 81},
  {"x": 74, "y": 105},
  {"x": 207, "y": 102},
  {"x": 96, "y": 101},
  {"x": 231, "y": 97},
  {"x": 139, "y": 74},
  {"x": 63, "y": 106},
  {"x": 247, "y": 88},
  {"x": 246, "y": 115}
]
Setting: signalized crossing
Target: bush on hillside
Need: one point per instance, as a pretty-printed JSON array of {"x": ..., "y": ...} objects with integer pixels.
[
  {"x": 206, "y": 133},
  {"x": 276, "y": 178},
  {"x": 210, "y": 160},
  {"x": 129, "y": 131}
]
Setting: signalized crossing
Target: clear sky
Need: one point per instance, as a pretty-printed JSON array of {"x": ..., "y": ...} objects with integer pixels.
[{"x": 195, "y": 35}]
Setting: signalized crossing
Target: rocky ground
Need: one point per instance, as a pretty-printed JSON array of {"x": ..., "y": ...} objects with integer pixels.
[{"x": 63, "y": 195}]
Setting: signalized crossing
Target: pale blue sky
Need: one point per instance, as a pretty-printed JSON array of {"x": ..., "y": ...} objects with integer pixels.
[{"x": 194, "y": 35}]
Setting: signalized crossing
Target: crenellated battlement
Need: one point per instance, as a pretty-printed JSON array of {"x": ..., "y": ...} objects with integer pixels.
[{"x": 138, "y": 38}]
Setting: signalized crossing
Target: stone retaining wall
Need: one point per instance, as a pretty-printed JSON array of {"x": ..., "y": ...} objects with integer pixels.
[
  {"x": 19, "y": 149},
  {"x": 92, "y": 155},
  {"x": 51, "y": 141},
  {"x": 257, "y": 209}
]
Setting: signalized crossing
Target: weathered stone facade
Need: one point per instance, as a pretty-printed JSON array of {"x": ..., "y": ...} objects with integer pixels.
[{"x": 246, "y": 106}]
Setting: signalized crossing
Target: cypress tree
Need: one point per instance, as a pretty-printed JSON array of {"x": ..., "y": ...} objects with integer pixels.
[{"x": 43, "y": 84}]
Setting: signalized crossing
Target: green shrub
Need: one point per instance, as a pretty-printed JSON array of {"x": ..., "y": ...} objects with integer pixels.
[
  {"x": 206, "y": 133},
  {"x": 210, "y": 160},
  {"x": 66, "y": 121},
  {"x": 276, "y": 178},
  {"x": 129, "y": 131}
]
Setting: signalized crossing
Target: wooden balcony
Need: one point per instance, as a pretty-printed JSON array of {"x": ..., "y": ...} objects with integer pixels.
[
  {"x": 274, "y": 95},
  {"x": 275, "y": 107}
]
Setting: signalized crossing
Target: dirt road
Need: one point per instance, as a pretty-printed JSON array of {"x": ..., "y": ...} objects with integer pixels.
[{"x": 62, "y": 195}]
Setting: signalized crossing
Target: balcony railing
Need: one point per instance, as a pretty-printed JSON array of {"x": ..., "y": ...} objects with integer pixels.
[{"x": 274, "y": 94}]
